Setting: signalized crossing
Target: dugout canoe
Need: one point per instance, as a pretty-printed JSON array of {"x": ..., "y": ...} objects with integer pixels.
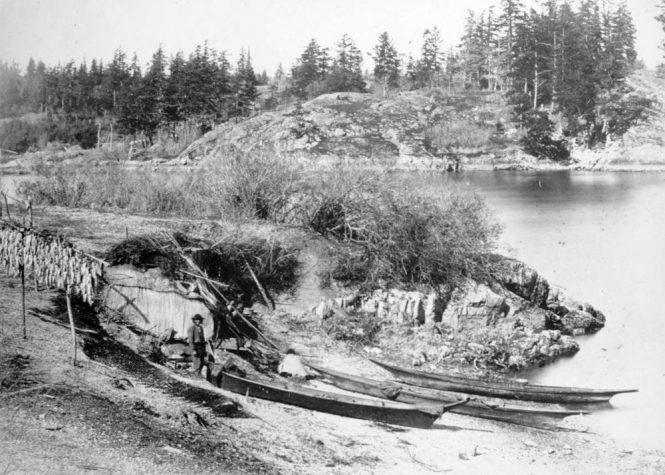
[
  {"x": 410, "y": 395},
  {"x": 506, "y": 389},
  {"x": 388, "y": 412}
]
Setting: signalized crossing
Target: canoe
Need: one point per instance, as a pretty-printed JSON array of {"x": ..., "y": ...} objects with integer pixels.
[
  {"x": 475, "y": 408},
  {"x": 506, "y": 389},
  {"x": 388, "y": 412}
]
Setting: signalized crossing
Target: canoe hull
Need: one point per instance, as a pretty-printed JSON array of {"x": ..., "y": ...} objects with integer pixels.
[
  {"x": 506, "y": 390},
  {"x": 358, "y": 408},
  {"x": 397, "y": 392}
]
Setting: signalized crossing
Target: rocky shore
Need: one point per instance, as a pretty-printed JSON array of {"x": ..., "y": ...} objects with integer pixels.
[{"x": 513, "y": 320}]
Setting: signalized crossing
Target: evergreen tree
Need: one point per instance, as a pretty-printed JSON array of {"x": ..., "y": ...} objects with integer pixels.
[
  {"x": 386, "y": 62},
  {"x": 510, "y": 16},
  {"x": 131, "y": 114},
  {"x": 310, "y": 70},
  {"x": 661, "y": 19},
  {"x": 10, "y": 89},
  {"x": 152, "y": 94},
  {"x": 115, "y": 79},
  {"x": 176, "y": 90},
  {"x": 431, "y": 62},
  {"x": 245, "y": 84},
  {"x": 346, "y": 72}
]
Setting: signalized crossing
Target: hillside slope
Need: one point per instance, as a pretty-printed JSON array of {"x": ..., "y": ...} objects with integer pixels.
[
  {"x": 418, "y": 129},
  {"x": 427, "y": 129}
]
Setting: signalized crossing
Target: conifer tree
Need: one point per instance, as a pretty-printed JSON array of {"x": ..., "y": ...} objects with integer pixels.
[
  {"x": 386, "y": 62},
  {"x": 346, "y": 72},
  {"x": 310, "y": 70},
  {"x": 431, "y": 62},
  {"x": 245, "y": 84},
  {"x": 175, "y": 92}
]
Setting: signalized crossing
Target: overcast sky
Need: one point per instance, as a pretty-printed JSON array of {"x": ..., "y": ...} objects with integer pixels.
[{"x": 275, "y": 31}]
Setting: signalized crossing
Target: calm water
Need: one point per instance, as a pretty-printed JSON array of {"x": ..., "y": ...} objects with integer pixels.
[{"x": 601, "y": 236}]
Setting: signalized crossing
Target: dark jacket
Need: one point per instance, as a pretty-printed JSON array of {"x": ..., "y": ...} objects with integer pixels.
[{"x": 196, "y": 335}]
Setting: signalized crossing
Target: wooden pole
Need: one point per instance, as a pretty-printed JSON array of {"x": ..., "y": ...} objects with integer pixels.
[
  {"x": 71, "y": 319},
  {"x": 9, "y": 217},
  {"x": 25, "y": 333},
  {"x": 30, "y": 210},
  {"x": 269, "y": 303}
]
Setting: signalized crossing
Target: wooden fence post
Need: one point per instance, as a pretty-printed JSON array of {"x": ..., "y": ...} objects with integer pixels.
[
  {"x": 9, "y": 217},
  {"x": 71, "y": 319},
  {"x": 30, "y": 210},
  {"x": 25, "y": 332}
]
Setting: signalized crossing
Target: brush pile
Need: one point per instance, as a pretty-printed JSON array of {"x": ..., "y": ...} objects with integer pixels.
[{"x": 242, "y": 267}]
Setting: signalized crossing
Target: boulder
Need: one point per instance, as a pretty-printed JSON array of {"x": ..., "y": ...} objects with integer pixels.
[
  {"x": 231, "y": 363},
  {"x": 580, "y": 322},
  {"x": 574, "y": 316},
  {"x": 521, "y": 279},
  {"x": 401, "y": 306}
]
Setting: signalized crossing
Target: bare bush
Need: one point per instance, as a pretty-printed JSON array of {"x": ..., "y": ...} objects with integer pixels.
[
  {"x": 389, "y": 231},
  {"x": 255, "y": 184}
]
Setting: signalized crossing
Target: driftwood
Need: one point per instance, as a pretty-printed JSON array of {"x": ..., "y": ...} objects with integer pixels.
[
  {"x": 47, "y": 319},
  {"x": 26, "y": 390},
  {"x": 71, "y": 320},
  {"x": 204, "y": 280},
  {"x": 269, "y": 303}
]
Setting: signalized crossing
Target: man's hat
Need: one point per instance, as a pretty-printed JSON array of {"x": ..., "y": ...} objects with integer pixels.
[{"x": 197, "y": 317}]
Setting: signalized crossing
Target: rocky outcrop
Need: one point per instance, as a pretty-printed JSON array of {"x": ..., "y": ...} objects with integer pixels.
[
  {"x": 515, "y": 320},
  {"x": 351, "y": 126},
  {"x": 520, "y": 279},
  {"x": 573, "y": 317},
  {"x": 473, "y": 306}
]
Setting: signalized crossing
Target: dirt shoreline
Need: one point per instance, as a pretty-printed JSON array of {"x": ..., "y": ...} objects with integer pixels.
[{"x": 82, "y": 421}]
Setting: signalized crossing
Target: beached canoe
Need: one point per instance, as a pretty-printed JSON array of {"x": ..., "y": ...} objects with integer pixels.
[
  {"x": 501, "y": 388},
  {"x": 411, "y": 395},
  {"x": 388, "y": 412}
]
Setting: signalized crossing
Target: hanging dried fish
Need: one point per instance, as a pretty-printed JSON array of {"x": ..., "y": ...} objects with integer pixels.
[{"x": 49, "y": 260}]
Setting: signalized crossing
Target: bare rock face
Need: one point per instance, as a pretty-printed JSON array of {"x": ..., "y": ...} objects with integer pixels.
[
  {"x": 521, "y": 279},
  {"x": 400, "y": 306},
  {"x": 514, "y": 321},
  {"x": 574, "y": 317},
  {"x": 333, "y": 126},
  {"x": 474, "y": 306}
]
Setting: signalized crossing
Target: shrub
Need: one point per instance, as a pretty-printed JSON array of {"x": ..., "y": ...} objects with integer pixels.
[
  {"x": 231, "y": 260},
  {"x": 389, "y": 234},
  {"x": 253, "y": 184},
  {"x": 538, "y": 140},
  {"x": 19, "y": 136},
  {"x": 398, "y": 236}
]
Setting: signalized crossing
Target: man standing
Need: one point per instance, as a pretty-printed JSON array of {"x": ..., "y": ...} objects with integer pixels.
[{"x": 197, "y": 341}]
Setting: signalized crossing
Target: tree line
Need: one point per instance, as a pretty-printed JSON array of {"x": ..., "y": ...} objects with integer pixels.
[
  {"x": 560, "y": 60},
  {"x": 204, "y": 86}
]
